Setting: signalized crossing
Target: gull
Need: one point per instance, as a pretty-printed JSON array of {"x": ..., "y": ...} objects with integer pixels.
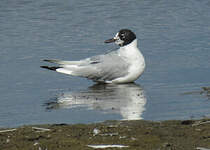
[{"x": 123, "y": 65}]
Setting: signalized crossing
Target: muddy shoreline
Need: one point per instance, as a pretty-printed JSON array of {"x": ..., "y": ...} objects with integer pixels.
[{"x": 131, "y": 135}]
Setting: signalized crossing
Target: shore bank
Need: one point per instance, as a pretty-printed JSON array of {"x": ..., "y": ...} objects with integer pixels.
[{"x": 129, "y": 135}]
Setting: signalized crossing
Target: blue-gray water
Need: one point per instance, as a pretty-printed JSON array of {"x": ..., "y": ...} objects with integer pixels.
[{"x": 174, "y": 37}]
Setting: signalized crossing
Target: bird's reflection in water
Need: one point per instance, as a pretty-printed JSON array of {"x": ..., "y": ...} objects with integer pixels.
[{"x": 128, "y": 100}]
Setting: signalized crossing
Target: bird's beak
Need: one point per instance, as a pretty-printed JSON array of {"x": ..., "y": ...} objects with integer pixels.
[{"x": 110, "y": 40}]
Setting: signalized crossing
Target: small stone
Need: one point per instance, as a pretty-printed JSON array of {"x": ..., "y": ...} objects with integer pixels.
[{"x": 96, "y": 131}]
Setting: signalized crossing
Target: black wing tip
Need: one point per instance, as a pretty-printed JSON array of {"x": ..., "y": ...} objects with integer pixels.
[
  {"x": 50, "y": 68},
  {"x": 47, "y": 60}
]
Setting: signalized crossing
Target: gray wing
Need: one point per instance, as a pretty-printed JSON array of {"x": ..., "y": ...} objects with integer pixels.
[{"x": 102, "y": 67}]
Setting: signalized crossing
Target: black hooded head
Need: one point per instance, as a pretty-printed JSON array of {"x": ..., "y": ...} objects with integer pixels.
[
  {"x": 123, "y": 37},
  {"x": 127, "y": 36}
]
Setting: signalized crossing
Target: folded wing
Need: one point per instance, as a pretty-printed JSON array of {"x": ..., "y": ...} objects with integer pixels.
[{"x": 99, "y": 68}]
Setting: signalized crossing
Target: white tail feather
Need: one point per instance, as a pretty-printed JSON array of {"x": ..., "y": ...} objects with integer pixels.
[{"x": 65, "y": 71}]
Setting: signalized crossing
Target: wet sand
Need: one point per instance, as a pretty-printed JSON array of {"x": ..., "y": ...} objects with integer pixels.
[{"x": 131, "y": 135}]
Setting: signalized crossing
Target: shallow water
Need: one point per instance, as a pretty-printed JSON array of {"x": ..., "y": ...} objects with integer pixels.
[{"x": 174, "y": 37}]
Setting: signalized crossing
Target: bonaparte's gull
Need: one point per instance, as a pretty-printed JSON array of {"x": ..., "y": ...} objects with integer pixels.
[{"x": 121, "y": 66}]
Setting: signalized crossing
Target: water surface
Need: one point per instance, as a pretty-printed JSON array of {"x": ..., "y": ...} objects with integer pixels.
[{"x": 173, "y": 36}]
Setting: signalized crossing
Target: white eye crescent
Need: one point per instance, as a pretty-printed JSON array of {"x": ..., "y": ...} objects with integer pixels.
[{"x": 123, "y": 36}]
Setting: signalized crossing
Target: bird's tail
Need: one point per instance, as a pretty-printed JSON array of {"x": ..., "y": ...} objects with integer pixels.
[
  {"x": 66, "y": 67},
  {"x": 62, "y": 62}
]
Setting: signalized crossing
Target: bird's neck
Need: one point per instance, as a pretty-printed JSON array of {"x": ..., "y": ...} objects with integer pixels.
[
  {"x": 130, "y": 48},
  {"x": 133, "y": 44},
  {"x": 131, "y": 51}
]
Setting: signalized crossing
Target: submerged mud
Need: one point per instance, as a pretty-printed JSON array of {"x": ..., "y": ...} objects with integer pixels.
[{"x": 131, "y": 135}]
